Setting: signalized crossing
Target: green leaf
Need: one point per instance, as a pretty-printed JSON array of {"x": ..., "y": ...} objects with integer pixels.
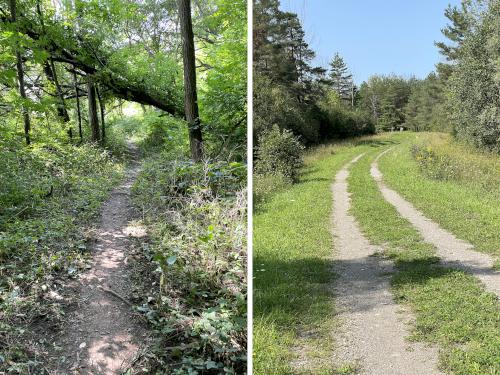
[{"x": 171, "y": 260}]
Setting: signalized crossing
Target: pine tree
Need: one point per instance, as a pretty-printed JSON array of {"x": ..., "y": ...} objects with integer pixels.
[
  {"x": 341, "y": 79},
  {"x": 460, "y": 24}
]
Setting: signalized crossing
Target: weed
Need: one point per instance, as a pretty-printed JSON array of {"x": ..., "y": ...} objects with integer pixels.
[
  {"x": 48, "y": 198},
  {"x": 196, "y": 215}
]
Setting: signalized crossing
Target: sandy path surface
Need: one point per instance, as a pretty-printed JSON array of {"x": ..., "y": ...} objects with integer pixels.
[
  {"x": 373, "y": 327},
  {"x": 452, "y": 251},
  {"x": 102, "y": 336}
]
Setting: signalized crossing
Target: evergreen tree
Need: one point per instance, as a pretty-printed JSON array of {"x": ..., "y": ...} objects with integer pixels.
[
  {"x": 341, "y": 79},
  {"x": 425, "y": 109}
]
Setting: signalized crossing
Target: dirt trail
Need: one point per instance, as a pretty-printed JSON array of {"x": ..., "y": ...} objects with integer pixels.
[
  {"x": 373, "y": 328},
  {"x": 452, "y": 251},
  {"x": 102, "y": 335}
]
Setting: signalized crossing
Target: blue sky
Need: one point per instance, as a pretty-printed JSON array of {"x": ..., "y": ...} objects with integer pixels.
[{"x": 374, "y": 36}]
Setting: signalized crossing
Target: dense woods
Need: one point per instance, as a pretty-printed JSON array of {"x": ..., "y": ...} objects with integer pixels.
[{"x": 86, "y": 85}]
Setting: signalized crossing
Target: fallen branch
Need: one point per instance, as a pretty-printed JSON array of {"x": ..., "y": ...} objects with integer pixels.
[{"x": 110, "y": 291}]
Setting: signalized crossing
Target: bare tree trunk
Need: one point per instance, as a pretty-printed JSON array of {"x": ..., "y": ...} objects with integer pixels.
[
  {"x": 20, "y": 77},
  {"x": 190, "y": 95},
  {"x": 92, "y": 104},
  {"x": 101, "y": 107},
  {"x": 78, "y": 111}
]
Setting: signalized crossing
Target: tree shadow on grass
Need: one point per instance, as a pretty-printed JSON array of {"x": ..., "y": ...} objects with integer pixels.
[{"x": 301, "y": 292}]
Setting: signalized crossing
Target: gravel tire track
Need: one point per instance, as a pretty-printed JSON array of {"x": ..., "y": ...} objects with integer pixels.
[
  {"x": 372, "y": 326},
  {"x": 453, "y": 252},
  {"x": 103, "y": 335}
]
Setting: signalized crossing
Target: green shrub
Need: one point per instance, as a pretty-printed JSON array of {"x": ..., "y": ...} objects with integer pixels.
[
  {"x": 166, "y": 133},
  {"x": 279, "y": 153},
  {"x": 338, "y": 121}
]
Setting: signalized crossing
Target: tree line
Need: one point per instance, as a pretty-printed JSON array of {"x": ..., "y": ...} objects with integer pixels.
[{"x": 317, "y": 104}]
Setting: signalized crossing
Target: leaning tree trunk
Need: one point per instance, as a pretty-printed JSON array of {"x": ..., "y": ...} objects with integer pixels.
[
  {"x": 62, "y": 112},
  {"x": 20, "y": 77},
  {"x": 92, "y": 104},
  {"x": 190, "y": 96},
  {"x": 51, "y": 73}
]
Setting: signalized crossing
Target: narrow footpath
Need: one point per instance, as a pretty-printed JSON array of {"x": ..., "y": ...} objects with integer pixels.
[{"x": 103, "y": 335}]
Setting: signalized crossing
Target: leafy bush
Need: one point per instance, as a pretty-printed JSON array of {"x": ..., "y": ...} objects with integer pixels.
[
  {"x": 279, "y": 153},
  {"x": 196, "y": 214},
  {"x": 164, "y": 132}
]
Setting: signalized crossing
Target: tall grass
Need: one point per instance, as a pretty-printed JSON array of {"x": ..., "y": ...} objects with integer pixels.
[{"x": 441, "y": 158}]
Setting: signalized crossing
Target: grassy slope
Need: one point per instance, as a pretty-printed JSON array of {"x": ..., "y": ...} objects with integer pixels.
[
  {"x": 293, "y": 305},
  {"x": 450, "y": 307},
  {"x": 463, "y": 207}
]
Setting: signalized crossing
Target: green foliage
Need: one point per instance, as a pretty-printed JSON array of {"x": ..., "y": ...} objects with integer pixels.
[
  {"x": 49, "y": 194},
  {"x": 287, "y": 85},
  {"x": 440, "y": 159},
  {"x": 341, "y": 121},
  {"x": 159, "y": 72},
  {"x": 224, "y": 85},
  {"x": 385, "y": 97},
  {"x": 425, "y": 109},
  {"x": 197, "y": 252},
  {"x": 475, "y": 84},
  {"x": 279, "y": 153},
  {"x": 163, "y": 132},
  {"x": 276, "y": 105}
]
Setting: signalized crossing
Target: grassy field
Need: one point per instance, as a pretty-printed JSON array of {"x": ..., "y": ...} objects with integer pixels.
[
  {"x": 451, "y": 309},
  {"x": 293, "y": 255}
]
